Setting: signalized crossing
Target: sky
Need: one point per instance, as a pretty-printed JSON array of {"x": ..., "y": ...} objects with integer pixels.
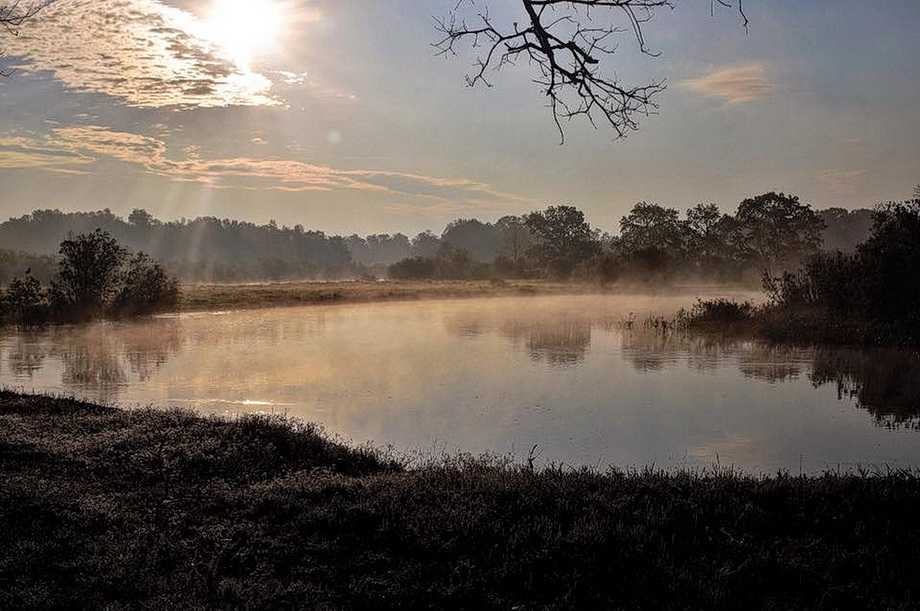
[{"x": 339, "y": 116}]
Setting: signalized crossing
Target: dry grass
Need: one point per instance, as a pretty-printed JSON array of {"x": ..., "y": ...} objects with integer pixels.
[
  {"x": 163, "y": 509},
  {"x": 270, "y": 294},
  {"x": 198, "y": 297}
]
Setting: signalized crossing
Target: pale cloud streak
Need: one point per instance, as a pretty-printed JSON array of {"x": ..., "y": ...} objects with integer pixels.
[
  {"x": 22, "y": 152},
  {"x": 734, "y": 84},
  {"x": 143, "y": 52},
  {"x": 66, "y": 148}
]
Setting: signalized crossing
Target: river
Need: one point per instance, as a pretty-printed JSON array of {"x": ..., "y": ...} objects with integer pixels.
[{"x": 572, "y": 380}]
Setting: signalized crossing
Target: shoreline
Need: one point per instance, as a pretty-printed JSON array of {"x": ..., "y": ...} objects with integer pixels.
[
  {"x": 216, "y": 297},
  {"x": 102, "y": 506}
]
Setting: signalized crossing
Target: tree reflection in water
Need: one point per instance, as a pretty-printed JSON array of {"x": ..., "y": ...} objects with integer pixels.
[
  {"x": 559, "y": 341},
  {"x": 26, "y": 355},
  {"x": 885, "y": 382},
  {"x": 97, "y": 357}
]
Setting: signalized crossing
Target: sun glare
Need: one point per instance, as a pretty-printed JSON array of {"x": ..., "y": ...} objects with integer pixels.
[{"x": 244, "y": 29}]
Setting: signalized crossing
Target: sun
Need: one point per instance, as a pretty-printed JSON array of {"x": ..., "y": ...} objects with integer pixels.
[{"x": 244, "y": 29}]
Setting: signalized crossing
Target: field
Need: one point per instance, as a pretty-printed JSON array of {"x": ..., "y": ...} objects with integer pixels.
[
  {"x": 215, "y": 297},
  {"x": 161, "y": 509},
  {"x": 269, "y": 294}
]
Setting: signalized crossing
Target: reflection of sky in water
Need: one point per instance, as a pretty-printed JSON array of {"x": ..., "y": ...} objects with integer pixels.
[{"x": 500, "y": 375}]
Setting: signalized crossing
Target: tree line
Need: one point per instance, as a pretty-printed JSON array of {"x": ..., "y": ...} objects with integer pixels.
[
  {"x": 772, "y": 232},
  {"x": 201, "y": 249},
  {"x": 653, "y": 241}
]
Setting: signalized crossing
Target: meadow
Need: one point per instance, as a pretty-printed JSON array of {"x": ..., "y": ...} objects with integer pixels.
[{"x": 197, "y": 297}]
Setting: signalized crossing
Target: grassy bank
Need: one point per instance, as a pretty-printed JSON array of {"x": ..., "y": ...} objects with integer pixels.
[
  {"x": 165, "y": 509},
  {"x": 271, "y": 294},
  {"x": 237, "y": 296},
  {"x": 198, "y": 297}
]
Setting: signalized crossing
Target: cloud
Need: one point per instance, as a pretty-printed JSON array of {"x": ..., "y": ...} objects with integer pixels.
[
  {"x": 143, "y": 52},
  {"x": 734, "y": 84},
  {"x": 20, "y": 152},
  {"x": 65, "y": 147}
]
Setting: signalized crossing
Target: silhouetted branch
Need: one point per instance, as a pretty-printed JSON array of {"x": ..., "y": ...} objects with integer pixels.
[
  {"x": 15, "y": 13},
  {"x": 562, "y": 40}
]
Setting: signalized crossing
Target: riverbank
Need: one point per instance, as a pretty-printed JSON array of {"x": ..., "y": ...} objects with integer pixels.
[
  {"x": 198, "y": 297},
  {"x": 100, "y": 506}
]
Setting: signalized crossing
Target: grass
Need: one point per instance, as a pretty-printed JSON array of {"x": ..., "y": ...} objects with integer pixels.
[
  {"x": 269, "y": 294},
  {"x": 196, "y": 297},
  {"x": 104, "y": 507}
]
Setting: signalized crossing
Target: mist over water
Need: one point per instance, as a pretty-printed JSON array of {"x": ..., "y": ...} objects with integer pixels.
[{"x": 501, "y": 375}]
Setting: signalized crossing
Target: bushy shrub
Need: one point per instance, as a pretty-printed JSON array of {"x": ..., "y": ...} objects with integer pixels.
[
  {"x": 450, "y": 263},
  {"x": 145, "y": 287},
  {"x": 25, "y": 301},
  {"x": 828, "y": 280},
  {"x": 721, "y": 310},
  {"x": 412, "y": 268}
]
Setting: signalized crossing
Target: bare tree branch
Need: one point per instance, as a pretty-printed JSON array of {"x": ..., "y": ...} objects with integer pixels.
[
  {"x": 561, "y": 40},
  {"x": 13, "y": 15}
]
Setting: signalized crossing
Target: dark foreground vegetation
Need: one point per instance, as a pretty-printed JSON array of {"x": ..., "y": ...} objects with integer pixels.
[
  {"x": 166, "y": 509},
  {"x": 870, "y": 296}
]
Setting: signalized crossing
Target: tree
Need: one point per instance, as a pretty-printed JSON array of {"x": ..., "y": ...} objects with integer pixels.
[
  {"x": 564, "y": 42},
  {"x": 514, "y": 238},
  {"x": 479, "y": 239},
  {"x": 563, "y": 238},
  {"x": 88, "y": 273},
  {"x": 652, "y": 226},
  {"x": 25, "y": 300},
  {"x": 141, "y": 218},
  {"x": 425, "y": 244},
  {"x": 890, "y": 259},
  {"x": 711, "y": 238},
  {"x": 778, "y": 230},
  {"x": 844, "y": 229},
  {"x": 14, "y": 14}
]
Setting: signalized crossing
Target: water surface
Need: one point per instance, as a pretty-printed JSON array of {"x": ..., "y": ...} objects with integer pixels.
[{"x": 502, "y": 375}]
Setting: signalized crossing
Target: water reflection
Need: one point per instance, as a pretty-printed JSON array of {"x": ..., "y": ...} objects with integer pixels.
[
  {"x": 558, "y": 339},
  {"x": 25, "y": 356},
  {"x": 102, "y": 358},
  {"x": 883, "y": 381},
  {"x": 488, "y": 374}
]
